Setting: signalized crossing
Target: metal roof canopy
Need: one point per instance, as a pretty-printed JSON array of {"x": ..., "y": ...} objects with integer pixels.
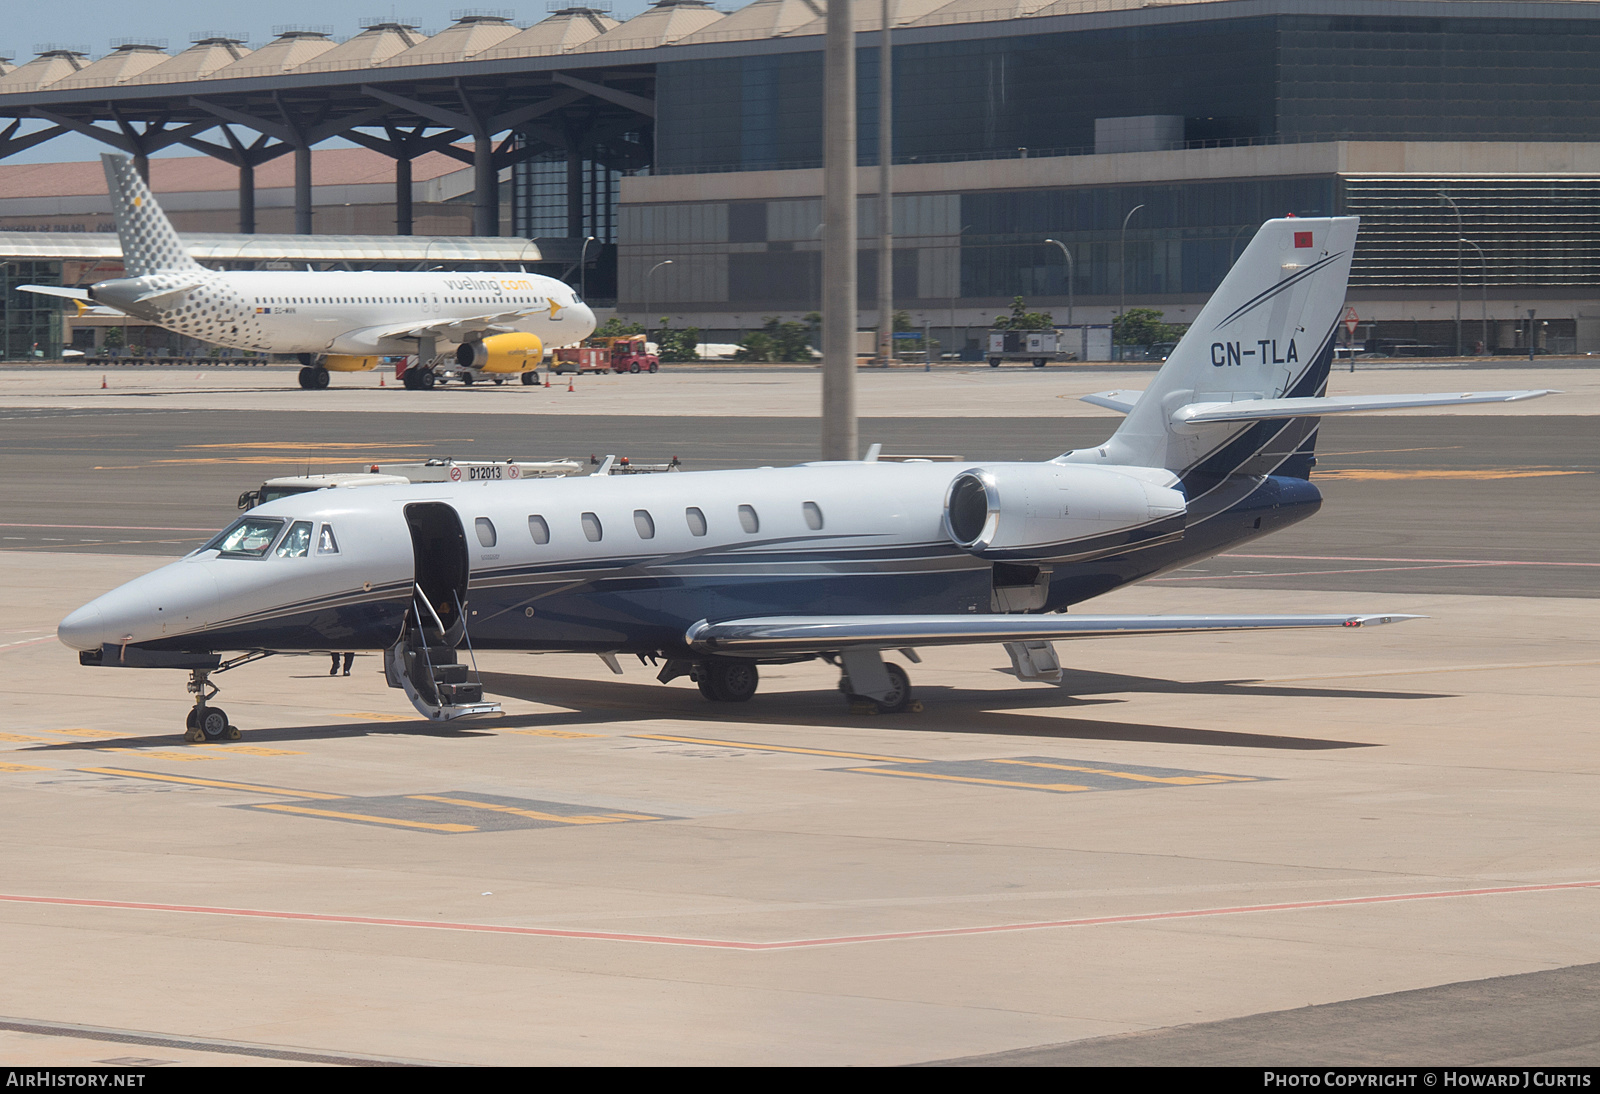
[{"x": 232, "y": 248}]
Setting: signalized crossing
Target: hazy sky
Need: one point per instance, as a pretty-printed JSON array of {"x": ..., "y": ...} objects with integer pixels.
[{"x": 91, "y": 24}]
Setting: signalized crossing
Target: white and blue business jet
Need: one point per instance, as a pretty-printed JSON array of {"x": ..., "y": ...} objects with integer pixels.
[
  {"x": 716, "y": 573},
  {"x": 499, "y": 324}
]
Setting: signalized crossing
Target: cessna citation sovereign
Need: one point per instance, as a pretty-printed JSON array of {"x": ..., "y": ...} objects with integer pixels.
[
  {"x": 715, "y": 573},
  {"x": 499, "y": 323}
]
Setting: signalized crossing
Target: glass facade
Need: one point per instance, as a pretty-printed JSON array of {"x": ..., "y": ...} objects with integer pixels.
[
  {"x": 1270, "y": 78},
  {"x": 30, "y": 324}
]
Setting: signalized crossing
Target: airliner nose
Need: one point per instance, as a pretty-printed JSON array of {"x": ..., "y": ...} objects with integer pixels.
[{"x": 84, "y": 629}]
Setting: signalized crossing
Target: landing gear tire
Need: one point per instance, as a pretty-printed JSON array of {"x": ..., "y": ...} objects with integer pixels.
[
  {"x": 409, "y": 378},
  {"x": 211, "y": 723},
  {"x": 466, "y": 378},
  {"x": 319, "y": 378},
  {"x": 427, "y": 380},
  {"x": 899, "y": 698},
  {"x": 729, "y": 680},
  {"x": 530, "y": 379},
  {"x": 305, "y": 378}
]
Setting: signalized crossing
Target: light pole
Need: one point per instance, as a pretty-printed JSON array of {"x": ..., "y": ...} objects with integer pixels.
[
  {"x": 653, "y": 269},
  {"x": 1459, "y": 241},
  {"x": 1483, "y": 264},
  {"x": 1122, "y": 270},
  {"x": 885, "y": 193},
  {"x": 955, "y": 289},
  {"x": 1072, "y": 274},
  {"x": 583, "y": 269}
]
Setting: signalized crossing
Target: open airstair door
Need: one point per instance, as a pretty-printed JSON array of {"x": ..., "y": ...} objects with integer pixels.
[{"x": 424, "y": 663}]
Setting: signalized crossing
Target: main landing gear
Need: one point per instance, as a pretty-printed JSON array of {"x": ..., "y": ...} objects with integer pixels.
[
  {"x": 206, "y": 722},
  {"x": 865, "y": 679},
  {"x": 314, "y": 378}
]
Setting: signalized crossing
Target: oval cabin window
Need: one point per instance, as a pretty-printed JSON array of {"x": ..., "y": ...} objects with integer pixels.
[
  {"x": 591, "y": 528},
  {"x": 646, "y": 526},
  {"x": 697, "y": 521},
  {"x": 748, "y": 519},
  {"x": 539, "y": 529},
  {"x": 813, "y": 514},
  {"x": 486, "y": 534}
]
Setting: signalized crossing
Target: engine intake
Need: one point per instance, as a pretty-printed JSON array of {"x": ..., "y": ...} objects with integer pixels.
[
  {"x": 514, "y": 352},
  {"x": 1037, "y": 511}
]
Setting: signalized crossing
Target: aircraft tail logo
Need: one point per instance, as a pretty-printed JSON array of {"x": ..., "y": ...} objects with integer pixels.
[
  {"x": 1267, "y": 333},
  {"x": 149, "y": 243}
]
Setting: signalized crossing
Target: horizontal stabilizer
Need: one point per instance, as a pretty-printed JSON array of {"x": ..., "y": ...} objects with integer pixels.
[
  {"x": 824, "y": 633},
  {"x": 57, "y": 290},
  {"x": 1254, "y": 410},
  {"x": 1120, "y": 401}
]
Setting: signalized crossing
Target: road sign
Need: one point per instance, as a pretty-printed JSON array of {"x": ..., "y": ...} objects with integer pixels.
[{"x": 1351, "y": 319}]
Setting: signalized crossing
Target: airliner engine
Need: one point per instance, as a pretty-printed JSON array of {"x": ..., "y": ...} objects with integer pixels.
[
  {"x": 1031, "y": 511},
  {"x": 510, "y": 353}
]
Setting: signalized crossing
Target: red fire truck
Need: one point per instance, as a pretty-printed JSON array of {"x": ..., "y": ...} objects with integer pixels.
[{"x": 628, "y": 353}]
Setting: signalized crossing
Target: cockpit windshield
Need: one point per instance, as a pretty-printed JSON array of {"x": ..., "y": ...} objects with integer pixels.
[
  {"x": 247, "y": 537},
  {"x": 297, "y": 541}
]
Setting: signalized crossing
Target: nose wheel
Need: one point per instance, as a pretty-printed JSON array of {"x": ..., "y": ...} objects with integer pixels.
[{"x": 206, "y": 722}]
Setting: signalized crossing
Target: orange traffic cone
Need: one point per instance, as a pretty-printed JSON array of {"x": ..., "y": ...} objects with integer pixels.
[
  {"x": 103, "y": 384},
  {"x": 547, "y": 379},
  {"x": 569, "y": 383},
  {"x": 380, "y": 380}
]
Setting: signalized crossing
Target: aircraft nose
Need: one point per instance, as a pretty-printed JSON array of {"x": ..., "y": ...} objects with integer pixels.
[{"x": 84, "y": 629}]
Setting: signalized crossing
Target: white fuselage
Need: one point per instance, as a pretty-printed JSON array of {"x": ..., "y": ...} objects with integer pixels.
[{"x": 351, "y": 313}]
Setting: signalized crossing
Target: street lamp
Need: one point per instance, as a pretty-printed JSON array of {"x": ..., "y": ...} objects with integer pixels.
[
  {"x": 583, "y": 269},
  {"x": 653, "y": 269},
  {"x": 1459, "y": 241},
  {"x": 1072, "y": 273},
  {"x": 955, "y": 288},
  {"x": 1122, "y": 263},
  {"x": 1483, "y": 264}
]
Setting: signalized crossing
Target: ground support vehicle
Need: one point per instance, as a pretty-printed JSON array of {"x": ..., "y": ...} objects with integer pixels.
[
  {"x": 628, "y": 353},
  {"x": 380, "y": 474},
  {"x": 1039, "y": 347}
]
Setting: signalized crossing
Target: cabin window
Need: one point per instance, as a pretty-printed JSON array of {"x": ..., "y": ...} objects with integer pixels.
[
  {"x": 326, "y": 543},
  {"x": 646, "y": 526},
  {"x": 748, "y": 519},
  {"x": 539, "y": 529},
  {"x": 591, "y": 528},
  {"x": 486, "y": 534},
  {"x": 813, "y": 514},
  {"x": 697, "y": 521},
  {"x": 297, "y": 541}
]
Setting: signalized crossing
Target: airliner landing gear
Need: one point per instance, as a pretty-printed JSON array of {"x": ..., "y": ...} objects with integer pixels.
[
  {"x": 314, "y": 378},
  {"x": 530, "y": 378},
  {"x": 205, "y": 722},
  {"x": 419, "y": 379},
  {"x": 726, "y": 679}
]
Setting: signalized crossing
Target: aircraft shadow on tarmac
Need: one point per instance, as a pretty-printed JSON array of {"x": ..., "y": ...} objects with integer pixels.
[{"x": 594, "y": 703}]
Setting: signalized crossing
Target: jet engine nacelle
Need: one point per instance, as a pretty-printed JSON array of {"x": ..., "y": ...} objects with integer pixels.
[
  {"x": 344, "y": 362},
  {"x": 1034, "y": 510},
  {"x": 513, "y": 353}
]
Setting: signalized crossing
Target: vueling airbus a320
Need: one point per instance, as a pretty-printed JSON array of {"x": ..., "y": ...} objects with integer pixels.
[
  {"x": 499, "y": 323},
  {"x": 715, "y": 573}
]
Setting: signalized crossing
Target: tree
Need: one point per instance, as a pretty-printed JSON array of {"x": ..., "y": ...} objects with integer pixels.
[
  {"x": 1143, "y": 327},
  {"x": 1023, "y": 319},
  {"x": 777, "y": 341},
  {"x": 616, "y": 328},
  {"x": 679, "y": 345}
]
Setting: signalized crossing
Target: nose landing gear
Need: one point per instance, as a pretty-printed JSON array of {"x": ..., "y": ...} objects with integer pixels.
[{"x": 206, "y": 722}]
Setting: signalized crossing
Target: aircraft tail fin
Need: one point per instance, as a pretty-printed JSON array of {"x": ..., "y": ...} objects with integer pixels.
[
  {"x": 149, "y": 243},
  {"x": 1266, "y": 334}
]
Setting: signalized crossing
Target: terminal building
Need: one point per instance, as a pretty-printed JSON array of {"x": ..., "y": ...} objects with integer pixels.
[{"x": 678, "y": 153}]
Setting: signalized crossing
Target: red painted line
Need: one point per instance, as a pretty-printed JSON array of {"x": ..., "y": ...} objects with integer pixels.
[
  {"x": 110, "y": 527},
  {"x": 1460, "y": 561},
  {"x": 796, "y": 943}
]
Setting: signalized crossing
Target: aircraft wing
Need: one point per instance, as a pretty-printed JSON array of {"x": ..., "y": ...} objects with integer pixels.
[
  {"x": 828, "y": 633},
  {"x": 445, "y": 330}
]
